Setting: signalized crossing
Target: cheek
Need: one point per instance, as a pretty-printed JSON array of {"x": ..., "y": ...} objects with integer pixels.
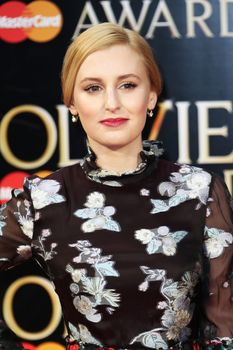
[
  {"x": 139, "y": 102},
  {"x": 138, "y": 107},
  {"x": 85, "y": 107}
]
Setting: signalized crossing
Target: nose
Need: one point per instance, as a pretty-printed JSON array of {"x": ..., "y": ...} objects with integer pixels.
[{"x": 112, "y": 101}]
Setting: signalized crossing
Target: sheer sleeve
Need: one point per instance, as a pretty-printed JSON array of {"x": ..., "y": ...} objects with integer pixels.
[
  {"x": 218, "y": 251},
  {"x": 16, "y": 229}
]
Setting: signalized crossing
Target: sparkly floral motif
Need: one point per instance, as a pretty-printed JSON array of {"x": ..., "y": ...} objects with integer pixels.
[
  {"x": 94, "y": 176},
  {"x": 99, "y": 215},
  {"x": 186, "y": 184},
  {"x": 160, "y": 240},
  {"x": 2, "y": 218},
  {"x": 25, "y": 251},
  {"x": 24, "y": 217},
  {"x": 177, "y": 308},
  {"x": 215, "y": 241},
  {"x": 111, "y": 183},
  {"x": 44, "y": 192},
  {"x": 104, "y": 173},
  {"x": 95, "y": 200},
  {"x": 90, "y": 292},
  {"x": 144, "y": 192},
  {"x": 47, "y": 255},
  {"x": 151, "y": 147},
  {"x": 2, "y": 224},
  {"x": 83, "y": 336}
]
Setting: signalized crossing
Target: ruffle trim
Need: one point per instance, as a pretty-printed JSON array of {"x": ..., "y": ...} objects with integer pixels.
[{"x": 151, "y": 150}]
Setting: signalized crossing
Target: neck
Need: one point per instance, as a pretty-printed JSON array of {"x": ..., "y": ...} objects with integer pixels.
[{"x": 118, "y": 159}]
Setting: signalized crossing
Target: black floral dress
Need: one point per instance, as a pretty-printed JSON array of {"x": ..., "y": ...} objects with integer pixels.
[{"x": 140, "y": 260}]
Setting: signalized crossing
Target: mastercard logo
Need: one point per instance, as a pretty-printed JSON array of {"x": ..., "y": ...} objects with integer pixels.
[
  {"x": 44, "y": 346},
  {"x": 39, "y": 21}
]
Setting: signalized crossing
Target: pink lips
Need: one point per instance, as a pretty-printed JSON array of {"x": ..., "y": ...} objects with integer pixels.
[{"x": 113, "y": 121}]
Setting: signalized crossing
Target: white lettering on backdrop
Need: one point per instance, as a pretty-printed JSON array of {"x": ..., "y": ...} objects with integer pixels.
[{"x": 163, "y": 17}]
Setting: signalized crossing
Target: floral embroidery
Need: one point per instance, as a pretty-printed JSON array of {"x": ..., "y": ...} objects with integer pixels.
[
  {"x": 151, "y": 339},
  {"x": 37, "y": 216},
  {"x": 99, "y": 215},
  {"x": 177, "y": 308},
  {"x": 16, "y": 192},
  {"x": 83, "y": 335},
  {"x": 151, "y": 147},
  {"x": 2, "y": 218},
  {"x": 160, "y": 240},
  {"x": 42, "y": 252},
  {"x": 44, "y": 192},
  {"x": 94, "y": 286},
  {"x": 144, "y": 192},
  {"x": 208, "y": 212},
  {"x": 189, "y": 183},
  {"x": 2, "y": 224},
  {"x": 104, "y": 173},
  {"x": 215, "y": 241},
  {"x": 25, "y": 251},
  {"x": 26, "y": 220},
  {"x": 94, "y": 175},
  {"x": 110, "y": 183}
]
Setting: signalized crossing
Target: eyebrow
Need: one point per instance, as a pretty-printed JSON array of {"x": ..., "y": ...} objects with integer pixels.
[{"x": 124, "y": 76}]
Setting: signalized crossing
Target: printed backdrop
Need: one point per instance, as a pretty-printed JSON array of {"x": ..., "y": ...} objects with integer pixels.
[{"x": 193, "y": 43}]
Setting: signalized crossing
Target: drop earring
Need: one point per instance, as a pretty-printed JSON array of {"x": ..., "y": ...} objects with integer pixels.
[
  {"x": 150, "y": 113},
  {"x": 74, "y": 118}
]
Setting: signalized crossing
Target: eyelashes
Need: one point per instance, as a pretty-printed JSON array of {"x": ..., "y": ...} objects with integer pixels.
[
  {"x": 129, "y": 85},
  {"x": 92, "y": 88},
  {"x": 96, "y": 88}
]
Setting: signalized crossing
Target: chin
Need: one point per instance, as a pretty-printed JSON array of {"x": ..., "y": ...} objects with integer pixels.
[
  {"x": 116, "y": 140},
  {"x": 116, "y": 143}
]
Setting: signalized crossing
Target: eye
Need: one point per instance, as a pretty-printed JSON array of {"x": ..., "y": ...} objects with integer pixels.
[
  {"x": 92, "y": 88},
  {"x": 128, "y": 85}
]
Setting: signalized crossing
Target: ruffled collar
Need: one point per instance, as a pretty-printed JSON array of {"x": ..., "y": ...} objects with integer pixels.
[{"x": 150, "y": 152}]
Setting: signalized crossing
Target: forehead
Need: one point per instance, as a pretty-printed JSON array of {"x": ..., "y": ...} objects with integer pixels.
[{"x": 115, "y": 60}]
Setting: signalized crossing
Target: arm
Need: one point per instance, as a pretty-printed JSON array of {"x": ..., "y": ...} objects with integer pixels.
[
  {"x": 16, "y": 229},
  {"x": 218, "y": 251}
]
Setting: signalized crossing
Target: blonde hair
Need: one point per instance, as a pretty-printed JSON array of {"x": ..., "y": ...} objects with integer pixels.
[{"x": 99, "y": 37}]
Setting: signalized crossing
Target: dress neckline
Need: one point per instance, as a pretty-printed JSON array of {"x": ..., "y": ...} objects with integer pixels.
[{"x": 151, "y": 150}]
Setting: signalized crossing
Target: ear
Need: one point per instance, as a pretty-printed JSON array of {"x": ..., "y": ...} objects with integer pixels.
[
  {"x": 73, "y": 109},
  {"x": 152, "y": 100}
]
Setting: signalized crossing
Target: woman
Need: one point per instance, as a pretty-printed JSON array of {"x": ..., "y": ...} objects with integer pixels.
[{"x": 139, "y": 249}]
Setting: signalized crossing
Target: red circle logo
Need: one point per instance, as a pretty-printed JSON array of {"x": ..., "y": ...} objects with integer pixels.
[{"x": 40, "y": 21}]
